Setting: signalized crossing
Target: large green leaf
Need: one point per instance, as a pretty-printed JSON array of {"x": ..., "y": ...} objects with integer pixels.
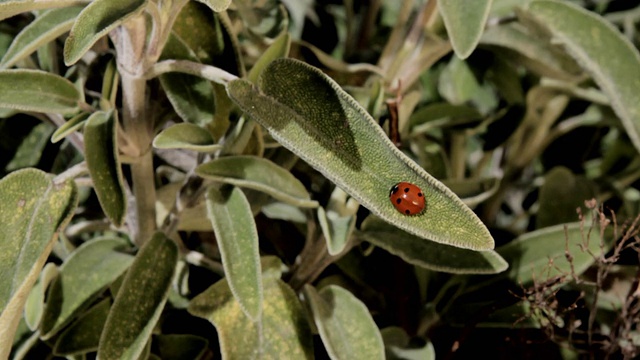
[
  {"x": 464, "y": 21},
  {"x": 140, "y": 300},
  {"x": 34, "y": 307},
  {"x": 279, "y": 49},
  {"x": 258, "y": 174},
  {"x": 309, "y": 114},
  {"x": 192, "y": 97},
  {"x": 612, "y": 61},
  {"x": 83, "y": 335},
  {"x": 96, "y": 20},
  {"x": 560, "y": 195},
  {"x": 281, "y": 330},
  {"x": 39, "y": 91},
  {"x": 9, "y": 8},
  {"x": 91, "y": 268},
  {"x": 104, "y": 165},
  {"x": 345, "y": 324},
  {"x": 541, "y": 254},
  {"x": 31, "y": 149},
  {"x": 40, "y": 31},
  {"x": 216, "y": 5},
  {"x": 34, "y": 210},
  {"x": 237, "y": 238},
  {"x": 186, "y": 136},
  {"x": 428, "y": 254}
]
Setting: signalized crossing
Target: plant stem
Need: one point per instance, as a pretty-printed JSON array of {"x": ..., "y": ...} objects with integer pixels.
[{"x": 144, "y": 191}]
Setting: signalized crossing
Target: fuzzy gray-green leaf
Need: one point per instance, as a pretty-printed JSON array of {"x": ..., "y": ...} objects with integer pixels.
[
  {"x": 91, "y": 268},
  {"x": 237, "y": 237},
  {"x": 104, "y": 165},
  {"x": 34, "y": 209},
  {"x": 282, "y": 328},
  {"x": 216, "y": 5},
  {"x": 40, "y": 31},
  {"x": 612, "y": 61},
  {"x": 140, "y": 300},
  {"x": 345, "y": 324},
  {"x": 9, "y": 8},
  {"x": 428, "y": 254},
  {"x": 96, "y": 20},
  {"x": 258, "y": 174},
  {"x": 309, "y": 114},
  {"x": 38, "y": 91},
  {"x": 464, "y": 21},
  {"x": 542, "y": 253},
  {"x": 186, "y": 136},
  {"x": 83, "y": 335}
]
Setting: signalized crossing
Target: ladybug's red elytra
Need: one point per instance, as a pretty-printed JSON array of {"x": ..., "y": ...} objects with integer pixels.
[{"x": 407, "y": 198}]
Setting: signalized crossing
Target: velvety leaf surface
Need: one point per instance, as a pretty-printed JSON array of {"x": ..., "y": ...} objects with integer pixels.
[
  {"x": 309, "y": 114},
  {"x": 336, "y": 229},
  {"x": 398, "y": 347},
  {"x": 31, "y": 149},
  {"x": 34, "y": 209},
  {"x": 191, "y": 96},
  {"x": 140, "y": 300},
  {"x": 428, "y": 254},
  {"x": 216, "y": 5},
  {"x": 68, "y": 127},
  {"x": 258, "y": 174},
  {"x": 530, "y": 255},
  {"x": 104, "y": 166},
  {"x": 39, "y": 91},
  {"x": 279, "y": 49},
  {"x": 345, "y": 324},
  {"x": 83, "y": 335},
  {"x": 282, "y": 328},
  {"x": 237, "y": 238},
  {"x": 186, "y": 136},
  {"x": 40, "y": 31},
  {"x": 34, "y": 307},
  {"x": 612, "y": 61},
  {"x": 95, "y": 21},
  {"x": 89, "y": 269},
  {"x": 9, "y": 8},
  {"x": 464, "y": 21}
]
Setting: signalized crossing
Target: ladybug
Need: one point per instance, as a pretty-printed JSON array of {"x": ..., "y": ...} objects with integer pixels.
[{"x": 407, "y": 198}]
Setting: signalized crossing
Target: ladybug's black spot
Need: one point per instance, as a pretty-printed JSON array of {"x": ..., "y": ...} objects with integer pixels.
[
  {"x": 407, "y": 212},
  {"x": 398, "y": 201},
  {"x": 394, "y": 190},
  {"x": 406, "y": 190},
  {"x": 419, "y": 194}
]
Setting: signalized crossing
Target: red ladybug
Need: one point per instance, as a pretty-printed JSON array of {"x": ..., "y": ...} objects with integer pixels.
[{"x": 407, "y": 198}]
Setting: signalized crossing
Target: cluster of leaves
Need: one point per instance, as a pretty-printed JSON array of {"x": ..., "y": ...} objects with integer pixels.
[{"x": 182, "y": 179}]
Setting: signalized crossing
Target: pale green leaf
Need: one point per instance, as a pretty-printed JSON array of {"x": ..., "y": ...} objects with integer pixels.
[
  {"x": 398, "y": 347},
  {"x": 39, "y": 91},
  {"x": 70, "y": 126},
  {"x": 310, "y": 115},
  {"x": 428, "y": 254},
  {"x": 9, "y": 8},
  {"x": 89, "y": 269},
  {"x": 140, "y": 300},
  {"x": 457, "y": 83},
  {"x": 96, "y": 20},
  {"x": 464, "y": 21},
  {"x": 473, "y": 191},
  {"x": 281, "y": 330},
  {"x": 34, "y": 307},
  {"x": 336, "y": 229},
  {"x": 216, "y": 5},
  {"x": 279, "y": 49},
  {"x": 34, "y": 210},
  {"x": 258, "y": 174},
  {"x": 39, "y": 32},
  {"x": 83, "y": 335},
  {"x": 31, "y": 149},
  {"x": 345, "y": 324},
  {"x": 186, "y": 136},
  {"x": 192, "y": 219},
  {"x": 541, "y": 254},
  {"x": 104, "y": 165},
  {"x": 612, "y": 61},
  {"x": 237, "y": 238}
]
